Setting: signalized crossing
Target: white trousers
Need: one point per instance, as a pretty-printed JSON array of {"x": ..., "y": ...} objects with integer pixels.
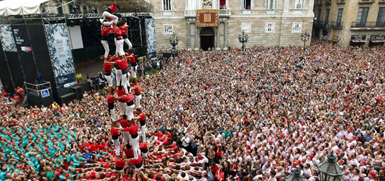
[
  {"x": 106, "y": 48},
  {"x": 133, "y": 71},
  {"x": 122, "y": 108},
  {"x": 107, "y": 14},
  {"x": 109, "y": 80},
  {"x": 126, "y": 137},
  {"x": 124, "y": 82},
  {"x": 143, "y": 133},
  {"x": 128, "y": 43},
  {"x": 119, "y": 47},
  {"x": 118, "y": 73},
  {"x": 117, "y": 146},
  {"x": 128, "y": 82},
  {"x": 134, "y": 142},
  {"x": 137, "y": 101},
  {"x": 113, "y": 115},
  {"x": 130, "y": 112}
]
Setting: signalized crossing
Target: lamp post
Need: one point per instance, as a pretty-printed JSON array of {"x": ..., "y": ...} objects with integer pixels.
[
  {"x": 243, "y": 39},
  {"x": 329, "y": 170},
  {"x": 174, "y": 40},
  {"x": 305, "y": 37},
  {"x": 295, "y": 176}
]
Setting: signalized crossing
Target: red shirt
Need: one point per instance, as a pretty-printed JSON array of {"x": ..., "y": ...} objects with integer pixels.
[
  {"x": 117, "y": 32},
  {"x": 123, "y": 29},
  {"x": 119, "y": 163},
  {"x": 129, "y": 152},
  {"x": 143, "y": 146},
  {"x": 105, "y": 31},
  {"x": 110, "y": 99},
  {"x": 113, "y": 7},
  {"x": 5, "y": 94},
  {"x": 136, "y": 161},
  {"x": 124, "y": 123},
  {"x": 114, "y": 132},
  {"x": 122, "y": 64},
  {"x": 107, "y": 67},
  {"x": 120, "y": 92},
  {"x": 133, "y": 130},
  {"x": 131, "y": 58}
]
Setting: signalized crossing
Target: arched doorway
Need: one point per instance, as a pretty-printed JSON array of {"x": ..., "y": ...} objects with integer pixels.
[{"x": 207, "y": 38}]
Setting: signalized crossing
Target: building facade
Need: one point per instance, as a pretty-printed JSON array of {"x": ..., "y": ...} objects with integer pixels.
[
  {"x": 266, "y": 22},
  {"x": 350, "y": 22}
]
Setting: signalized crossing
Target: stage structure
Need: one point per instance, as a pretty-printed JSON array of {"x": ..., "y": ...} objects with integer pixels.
[{"x": 33, "y": 42}]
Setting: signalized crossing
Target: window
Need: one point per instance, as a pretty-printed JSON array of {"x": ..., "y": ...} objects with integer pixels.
[
  {"x": 362, "y": 16},
  {"x": 269, "y": 27},
  {"x": 297, "y": 4},
  {"x": 297, "y": 27},
  {"x": 319, "y": 14},
  {"x": 327, "y": 13},
  {"x": 70, "y": 9},
  {"x": 168, "y": 29},
  {"x": 381, "y": 17},
  {"x": 85, "y": 9},
  {"x": 222, "y": 4},
  {"x": 167, "y": 5},
  {"x": 270, "y": 5},
  {"x": 246, "y": 27},
  {"x": 60, "y": 10},
  {"x": 246, "y": 4},
  {"x": 339, "y": 16}
]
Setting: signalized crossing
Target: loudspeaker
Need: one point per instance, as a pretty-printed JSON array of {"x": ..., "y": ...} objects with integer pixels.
[
  {"x": 34, "y": 99},
  {"x": 78, "y": 91},
  {"x": 68, "y": 98}
]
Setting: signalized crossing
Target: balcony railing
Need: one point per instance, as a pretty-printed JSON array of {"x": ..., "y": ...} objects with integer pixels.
[
  {"x": 341, "y": 2},
  {"x": 320, "y": 23},
  {"x": 365, "y": 1},
  {"x": 336, "y": 24},
  {"x": 222, "y": 13},
  {"x": 368, "y": 25}
]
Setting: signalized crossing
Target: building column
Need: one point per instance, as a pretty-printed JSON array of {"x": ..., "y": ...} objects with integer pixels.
[
  {"x": 225, "y": 39},
  {"x": 218, "y": 38},
  {"x": 188, "y": 36},
  {"x": 196, "y": 39},
  {"x": 311, "y": 6},
  {"x": 286, "y": 6}
]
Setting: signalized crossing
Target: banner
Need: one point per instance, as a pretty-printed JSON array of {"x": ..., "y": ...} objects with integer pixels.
[
  {"x": 207, "y": 18},
  {"x": 21, "y": 37},
  {"x": 7, "y": 40},
  {"x": 61, "y": 55},
  {"x": 150, "y": 38}
]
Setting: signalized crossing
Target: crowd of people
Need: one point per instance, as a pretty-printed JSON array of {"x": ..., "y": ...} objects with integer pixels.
[{"x": 211, "y": 115}]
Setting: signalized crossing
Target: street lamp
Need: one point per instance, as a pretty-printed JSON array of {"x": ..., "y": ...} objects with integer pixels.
[
  {"x": 174, "y": 40},
  {"x": 329, "y": 170},
  {"x": 305, "y": 37},
  {"x": 295, "y": 176},
  {"x": 243, "y": 39}
]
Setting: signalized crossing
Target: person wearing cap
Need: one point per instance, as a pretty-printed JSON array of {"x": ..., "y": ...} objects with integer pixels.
[
  {"x": 144, "y": 150},
  {"x": 119, "y": 166},
  {"x": 123, "y": 26},
  {"x": 142, "y": 120},
  {"x": 108, "y": 13}
]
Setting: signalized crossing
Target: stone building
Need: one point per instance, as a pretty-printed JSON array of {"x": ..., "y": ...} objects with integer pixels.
[
  {"x": 350, "y": 22},
  {"x": 266, "y": 22}
]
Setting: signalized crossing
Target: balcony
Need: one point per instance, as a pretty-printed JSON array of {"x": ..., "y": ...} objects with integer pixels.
[
  {"x": 370, "y": 25},
  {"x": 320, "y": 24},
  {"x": 336, "y": 24},
  {"x": 222, "y": 13},
  {"x": 341, "y": 2},
  {"x": 365, "y": 1},
  {"x": 328, "y": 2}
]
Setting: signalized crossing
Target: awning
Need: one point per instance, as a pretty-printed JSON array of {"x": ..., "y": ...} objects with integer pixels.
[
  {"x": 20, "y": 7},
  {"x": 377, "y": 41},
  {"x": 358, "y": 41}
]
